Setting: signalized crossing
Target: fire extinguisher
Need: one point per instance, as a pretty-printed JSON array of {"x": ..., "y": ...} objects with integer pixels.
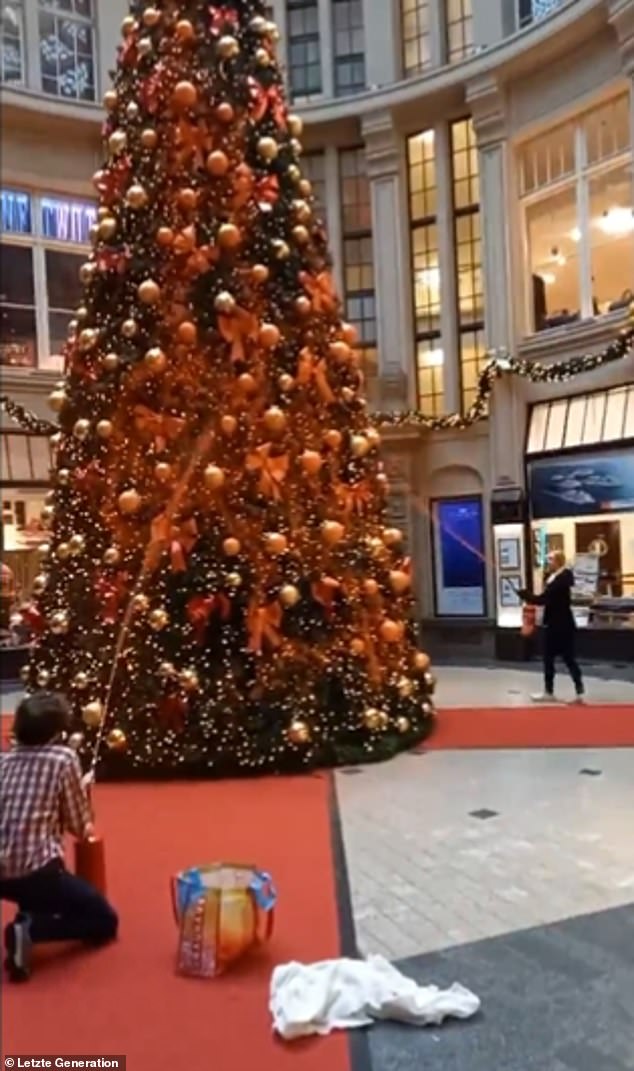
[
  {"x": 90, "y": 860},
  {"x": 529, "y": 620}
]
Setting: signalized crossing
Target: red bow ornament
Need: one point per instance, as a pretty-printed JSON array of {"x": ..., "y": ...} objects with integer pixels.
[
  {"x": 311, "y": 370},
  {"x": 180, "y": 537},
  {"x": 221, "y": 17},
  {"x": 109, "y": 592},
  {"x": 200, "y": 609},
  {"x": 264, "y": 100},
  {"x": 238, "y": 329}
]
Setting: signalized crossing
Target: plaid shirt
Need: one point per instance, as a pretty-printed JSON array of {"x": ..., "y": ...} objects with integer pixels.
[{"x": 41, "y": 797}]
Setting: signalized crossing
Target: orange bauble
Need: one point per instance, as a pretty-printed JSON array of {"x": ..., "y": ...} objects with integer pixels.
[
  {"x": 373, "y": 437},
  {"x": 187, "y": 333},
  {"x": 357, "y": 648},
  {"x": 399, "y": 581},
  {"x": 275, "y": 543},
  {"x": 269, "y": 336},
  {"x": 214, "y": 477},
  {"x": 184, "y": 30},
  {"x": 247, "y": 383},
  {"x": 162, "y": 471},
  {"x": 311, "y": 462},
  {"x": 289, "y": 596},
  {"x": 231, "y": 546},
  {"x": 130, "y": 501},
  {"x": 165, "y": 236},
  {"x": 217, "y": 163},
  {"x": 303, "y": 305},
  {"x": 349, "y": 333},
  {"x": 149, "y": 292},
  {"x": 392, "y": 536},
  {"x": 228, "y": 424},
  {"x": 229, "y": 236},
  {"x": 333, "y": 439},
  {"x": 332, "y": 532},
  {"x": 422, "y": 661},
  {"x": 359, "y": 445},
  {"x": 391, "y": 631},
  {"x": 340, "y": 350},
  {"x": 275, "y": 419},
  {"x": 187, "y": 199},
  {"x": 371, "y": 587},
  {"x": 225, "y": 112},
  {"x": 185, "y": 95}
]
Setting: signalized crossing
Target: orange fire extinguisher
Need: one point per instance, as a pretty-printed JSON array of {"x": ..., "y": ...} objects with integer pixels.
[
  {"x": 529, "y": 620},
  {"x": 90, "y": 860}
]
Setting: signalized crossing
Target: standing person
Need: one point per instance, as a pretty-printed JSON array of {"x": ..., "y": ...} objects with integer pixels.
[
  {"x": 558, "y": 627},
  {"x": 42, "y": 796}
]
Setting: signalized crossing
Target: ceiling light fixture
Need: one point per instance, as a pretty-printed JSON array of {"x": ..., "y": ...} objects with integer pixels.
[{"x": 617, "y": 222}]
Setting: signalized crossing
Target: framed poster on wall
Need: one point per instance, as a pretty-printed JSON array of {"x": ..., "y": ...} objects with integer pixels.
[{"x": 459, "y": 561}]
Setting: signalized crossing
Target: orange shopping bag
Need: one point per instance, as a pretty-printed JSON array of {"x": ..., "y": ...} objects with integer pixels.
[{"x": 222, "y": 911}]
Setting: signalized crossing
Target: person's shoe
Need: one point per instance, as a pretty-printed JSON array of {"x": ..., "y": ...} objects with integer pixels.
[
  {"x": 578, "y": 701},
  {"x": 18, "y": 947},
  {"x": 543, "y": 697}
]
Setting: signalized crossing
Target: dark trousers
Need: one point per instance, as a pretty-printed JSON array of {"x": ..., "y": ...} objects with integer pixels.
[
  {"x": 61, "y": 907},
  {"x": 562, "y": 645}
]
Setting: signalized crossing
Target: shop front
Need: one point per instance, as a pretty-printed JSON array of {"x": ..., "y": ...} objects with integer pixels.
[{"x": 579, "y": 500}]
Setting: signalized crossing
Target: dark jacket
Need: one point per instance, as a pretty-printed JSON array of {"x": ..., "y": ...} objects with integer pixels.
[{"x": 556, "y": 600}]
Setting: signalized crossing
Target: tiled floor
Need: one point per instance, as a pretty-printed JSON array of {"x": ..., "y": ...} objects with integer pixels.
[{"x": 459, "y": 686}]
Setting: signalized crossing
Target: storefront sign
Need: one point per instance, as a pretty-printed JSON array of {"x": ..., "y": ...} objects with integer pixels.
[
  {"x": 16, "y": 212},
  {"x": 67, "y": 221},
  {"x": 459, "y": 558},
  {"x": 582, "y": 485},
  {"x": 586, "y": 572}
]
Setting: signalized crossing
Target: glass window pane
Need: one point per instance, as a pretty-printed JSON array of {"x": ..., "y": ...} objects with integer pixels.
[
  {"x": 16, "y": 275},
  {"x": 575, "y": 421},
  {"x": 611, "y": 238},
  {"x": 595, "y": 416},
  {"x": 628, "y": 430},
  {"x": 554, "y": 259},
  {"x": 12, "y": 69},
  {"x": 556, "y": 425},
  {"x": 62, "y": 279},
  {"x": 537, "y": 429},
  {"x": 615, "y": 414},
  {"x": 18, "y": 337}
]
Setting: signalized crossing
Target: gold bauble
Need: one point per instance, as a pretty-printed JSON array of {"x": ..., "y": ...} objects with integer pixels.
[
  {"x": 275, "y": 420},
  {"x": 281, "y": 248},
  {"x": 132, "y": 111},
  {"x": 129, "y": 328},
  {"x": 268, "y": 148},
  {"x": 311, "y": 462},
  {"x": 294, "y": 173},
  {"x": 81, "y": 313},
  {"x": 130, "y": 501},
  {"x": 214, "y": 477},
  {"x": 228, "y": 425},
  {"x": 128, "y": 25},
  {"x": 300, "y": 234},
  {"x": 104, "y": 429},
  {"x": 231, "y": 546},
  {"x": 403, "y": 725},
  {"x": 333, "y": 438},
  {"x": 92, "y": 714},
  {"x": 303, "y": 305},
  {"x": 155, "y": 359},
  {"x": 372, "y": 719},
  {"x": 136, "y": 196},
  {"x": 295, "y": 126},
  {"x": 88, "y": 338},
  {"x": 225, "y": 112},
  {"x": 289, "y": 595},
  {"x": 350, "y": 333},
  {"x": 149, "y": 292},
  {"x": 151, "y": 16},
  {"x": 46, "y": 516},
  {"x": 81, "y": 429},
  {"x": 162, "y": 471},
  {"x": 140, "y": 603},
  {"x": 391, "y": 631},
  {"x": 149, "y": 138},
  {"x": 81, "y": 680},
  {"x": 348, "y": 394},
  {"x": 166, "y": 670},
  {"x": 189, "y": 680},
  {"x": 259, "y": 273},
  {"x": 39, "y": 584},
  {"x": 144, "y": 46},
  {"x": 117, "y": 142},
  {"x": 263, "y": 57},
  {"x": 57, "y": 400},
  {"x": 43, "y": 678},
  {"x": 112, "y": 556},
  {"x": 332, "y": 532},
  {"x": 399, "y": 581},
  {"x": 247, "y": 383},
  {"x": 272, "y": 31},
  {"x": 404, "y": 687},
  {"x": 339, "y": 350},
  {"x": 77, "y": 544},
  {"x": 110, "y": 362},
  {"x": 110, "y": 100},
  {"x": 217, "y": 163},
  {"x": 185, "y": 95},
  {"x": 357, "y": 647},
  {"x": 373, "y": 437},
  {"x": 107, "y": 228},
  {"x": 305, "y": 187},
  {"x": 59, "y": 623},
  {"x": 299, "y": 732},
  {"x": 228, "y": 47},
  {"x": 184, "y": 30},
  {"x": 229, "y": 236},
  {"x": 87, "y": 272},
  {"x": 187, "y": 199},
  {"x": 269, "y": 336},
  {"x": 302, "y": 211},
  {"x": 159, "y": 619},
  {"x": 224, "y": 303},
  {"x": 187, "y": 333},
  {"x": 75, "y": 740},
  {"x": 296, "y": 147},
  {"x": 286, "y": 382},
  {"x": 359, "y": 445},
  {"x": 165, "y": 236},
  {"x": 233, "y": 580},
  {"x": 258, "y": 24},
  {"x": 275, "y": 543},
  {"x": 117, "y": 740},
  {"x": 430, "y": 682},
  {"x": 422, "y": 661},
  {"x": 392, "y": 536}
]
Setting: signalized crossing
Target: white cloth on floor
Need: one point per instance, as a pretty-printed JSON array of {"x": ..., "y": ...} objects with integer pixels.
[{"x": 341, "y": 994}]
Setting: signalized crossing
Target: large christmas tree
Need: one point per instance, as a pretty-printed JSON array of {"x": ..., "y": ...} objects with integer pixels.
[{"x": 219, "y": 582}]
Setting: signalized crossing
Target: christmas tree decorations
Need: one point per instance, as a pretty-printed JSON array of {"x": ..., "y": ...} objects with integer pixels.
[{"x": 222, "y": 594}]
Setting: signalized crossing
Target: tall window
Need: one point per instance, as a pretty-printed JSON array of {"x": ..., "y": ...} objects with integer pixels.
[
  {"x": 12, "y": 42},
  {"x": 304, "y": 51},
  {"x": 314, "y": 167},
  {"x": 44, "y": 243},
  {"x": 468, "y": 254},
  {"x": 576, "y": 189},
  {"x": 415, "y": 36},
  {"x": 459, "y": 29},
  {"x": 349, "y": 46},
  {"x": 67, "y": 48},
  {"x": 423, "y": 210},
  {"x": 358, "y": 258}
]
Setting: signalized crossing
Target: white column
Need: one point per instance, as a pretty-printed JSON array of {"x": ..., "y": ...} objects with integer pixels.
[
  {"x": 279, "y": 15},
  {"x": 496, "y": 209},
  {"x": 437, "y": 33},
  {"x": 489, "y": 25},
  {"x": 381, "y": 27},
  {"x": 450, "y": 341},
  {"x": 621, "y": 17},
  {"x": 333, "y": 205},
  {"x": 392, "y": 276},
  {"x": 327, "y": 49}
]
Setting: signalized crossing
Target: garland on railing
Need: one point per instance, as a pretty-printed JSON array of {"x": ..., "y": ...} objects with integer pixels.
[{"x": 501, "y": 363}]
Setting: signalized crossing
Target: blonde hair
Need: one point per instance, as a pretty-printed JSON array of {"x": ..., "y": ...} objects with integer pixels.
[{"x": 558, "y": 559}]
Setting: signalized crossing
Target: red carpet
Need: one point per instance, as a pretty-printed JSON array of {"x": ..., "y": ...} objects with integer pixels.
[
  {"x": 533, "y": 727},
  {"x": 127, "y": 999}
]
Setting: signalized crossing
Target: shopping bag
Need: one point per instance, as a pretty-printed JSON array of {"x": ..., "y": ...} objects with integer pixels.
[
  {"x": 222, "y": 910},
  {"x": 90, "y": 862}
]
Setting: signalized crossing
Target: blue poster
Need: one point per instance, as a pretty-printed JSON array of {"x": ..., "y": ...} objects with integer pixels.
[
  {"x": 582, "y": 485},
  {"x": 460, "y": 566}
]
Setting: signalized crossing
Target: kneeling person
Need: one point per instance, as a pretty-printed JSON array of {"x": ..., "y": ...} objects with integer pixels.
[{"x": 42, "y": 796}]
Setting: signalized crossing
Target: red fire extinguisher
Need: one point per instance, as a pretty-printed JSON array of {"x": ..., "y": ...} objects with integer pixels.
[
  {"x": 529, "y": 620},
  {"x": 90, "y": 860}
]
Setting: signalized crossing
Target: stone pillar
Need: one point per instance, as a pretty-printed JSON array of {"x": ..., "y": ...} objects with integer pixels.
[
  {"x": 621, "y": 17},
  {"x": 392, "y": 275},
  {"x": 333, "y": 206},
  {"x": 327, "y": 49},
  {"x": 496, "y": 209},
  {"x": 450, "y": 340},
  {"x": 381, "y": 26},
  {"x": 490, "y": 22}
]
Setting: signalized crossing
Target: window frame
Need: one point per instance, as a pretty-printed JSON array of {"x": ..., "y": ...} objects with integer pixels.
[
  {"x": 421, "y": 14},
  {"x": 23, "y": 81},
  {"x": 92, "y": 23},
  {"x": 303, "y": 39},
  {"x": 341, "y": 59},
  {"x": 360, "y": 233},
  {"x": 468, "y": 328}
]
